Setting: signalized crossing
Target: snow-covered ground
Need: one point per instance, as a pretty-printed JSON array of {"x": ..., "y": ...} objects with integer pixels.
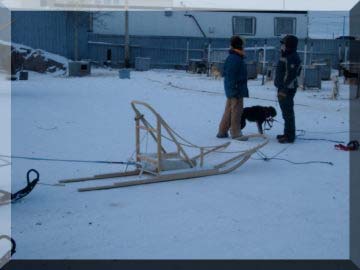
[{"x": 265, "y": 209}]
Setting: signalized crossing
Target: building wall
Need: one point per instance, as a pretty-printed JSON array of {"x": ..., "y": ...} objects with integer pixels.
[
  {"x": 355, "y": 31},
  {"x": 5, "y": 26},
  {"x": 53, "y": 31},
  {"x": 4, "y": 39},
  {"x": 155, "y": 23},
  {"x": 355, "y": 21}
]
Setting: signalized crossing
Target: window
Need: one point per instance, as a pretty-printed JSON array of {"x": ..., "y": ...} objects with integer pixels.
[
  {"x": 285, "y": 26},
  {"x": 244, "y": 26}
]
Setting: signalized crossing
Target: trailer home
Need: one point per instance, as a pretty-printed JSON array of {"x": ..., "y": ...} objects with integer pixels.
[{"x": 212, "y": 24}]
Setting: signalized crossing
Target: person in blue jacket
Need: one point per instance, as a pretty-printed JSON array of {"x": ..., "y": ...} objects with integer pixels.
[
  {"x": 236, "y": 89},
  {"x": 287, "y": 71}
]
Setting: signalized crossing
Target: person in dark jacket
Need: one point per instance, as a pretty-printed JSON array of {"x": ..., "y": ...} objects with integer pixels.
[
  {"x": 287, "y": 71},
  {"x": 236, "y": 89}
]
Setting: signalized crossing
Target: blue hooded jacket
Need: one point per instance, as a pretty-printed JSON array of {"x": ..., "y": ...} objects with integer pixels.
[{"x": 235, "y": 76}]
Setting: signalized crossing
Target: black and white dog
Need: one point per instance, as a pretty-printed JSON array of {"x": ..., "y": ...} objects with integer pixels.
[{"x": 258, "y": 114}]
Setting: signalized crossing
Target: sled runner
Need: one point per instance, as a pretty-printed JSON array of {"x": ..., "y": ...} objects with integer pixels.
[
  {"x": 7, "y": 256},
  {"x": 163, "y": 165}
]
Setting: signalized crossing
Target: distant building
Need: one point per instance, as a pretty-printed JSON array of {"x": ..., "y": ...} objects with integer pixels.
[
  {"x": 214, "y": 24},
  {"x": 107, "y": 4}
]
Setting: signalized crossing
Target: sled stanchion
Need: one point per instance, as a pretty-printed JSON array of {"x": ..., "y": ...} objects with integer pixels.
[
  {"x": 158, "y": 130},
  {"x": 212, "y": 150},
  {"x": 182, "y": 151},
  {"x": 137, "y": 138}
]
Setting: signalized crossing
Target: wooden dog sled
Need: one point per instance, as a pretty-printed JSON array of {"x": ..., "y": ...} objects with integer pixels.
[{"x": 163, "y": 165}]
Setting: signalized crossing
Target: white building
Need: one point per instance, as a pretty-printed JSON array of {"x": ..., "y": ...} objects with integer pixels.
[{"x": 215, "y": 24}]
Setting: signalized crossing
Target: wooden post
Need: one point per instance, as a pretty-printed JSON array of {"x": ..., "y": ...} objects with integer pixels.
[
  {"x": 137, "y": 138},
  {"x": 147, "y": 125},
  {"x": 159, "y": 148},
  {"x": 201, "y": 156},
  {"x": 187, "y": 52},
  {"x": 264, "y": 63},
  {"x": 305, "y": 65},
  {"x": 358, "y": 85},
  {"x": 76, "y": 37},
  {"x": 127, "y": 38},
  {"x": 311, "y": 53},
  {"x": 209, "y": 60},
  {"x": 346, "y": 53},
  {"x": 255, "y": 55}
]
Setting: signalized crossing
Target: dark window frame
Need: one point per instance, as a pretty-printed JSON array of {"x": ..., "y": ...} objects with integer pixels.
[
  {"x": 254, "y": 25},
  {"x": 294, "y": 19}
]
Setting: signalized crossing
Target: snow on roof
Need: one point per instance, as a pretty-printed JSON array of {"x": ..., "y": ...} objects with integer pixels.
[{"x": 22, "y": 48}]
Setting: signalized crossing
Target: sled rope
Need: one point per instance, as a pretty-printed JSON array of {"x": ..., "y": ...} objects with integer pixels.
[
  {"x": 205, "y": 147},
  {"x": 13, "y": 197},
  {"x": 268, "y": 124},
  {"x": 328, "y": 132},
  {"x": 69, "y": 160},
  {"x": 211, "y": 92},
  {"x": 186, "y": 143},
  {"x": 303, "y": 133},
  {"x": 6, "y": 163},
  {"x": 316, "y": 139},
  {"x": 275, "y": 157}
]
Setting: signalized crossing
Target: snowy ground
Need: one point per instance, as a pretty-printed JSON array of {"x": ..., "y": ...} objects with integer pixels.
[{"x": 269, "y": 210}]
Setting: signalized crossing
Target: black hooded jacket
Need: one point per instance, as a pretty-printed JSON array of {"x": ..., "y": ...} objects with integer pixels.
[{"x": 288, "y": 69}]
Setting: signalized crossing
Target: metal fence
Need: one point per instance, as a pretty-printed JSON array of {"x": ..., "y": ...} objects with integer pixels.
[{"x": 175, "y": 52}]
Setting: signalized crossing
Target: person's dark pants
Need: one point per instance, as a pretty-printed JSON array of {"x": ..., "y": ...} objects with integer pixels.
[{"x": 286, "y": 102}]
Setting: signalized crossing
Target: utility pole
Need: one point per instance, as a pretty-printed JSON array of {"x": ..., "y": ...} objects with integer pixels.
[
  {"x": 264, "y": 63},
  {"x": 127, "y": 38},
  {"x": 76, "y": 37},
  {"x": 284, "y": 4},
  {"x": 344, "y": 27},
  {"x": 305, "y": 63}
]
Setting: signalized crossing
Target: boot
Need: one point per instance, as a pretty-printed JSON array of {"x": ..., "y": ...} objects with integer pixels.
[
  {"x": 222, "y": 136},
  {"x": 286, "y": 139},
  {"x": 280, "y": 136}
]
